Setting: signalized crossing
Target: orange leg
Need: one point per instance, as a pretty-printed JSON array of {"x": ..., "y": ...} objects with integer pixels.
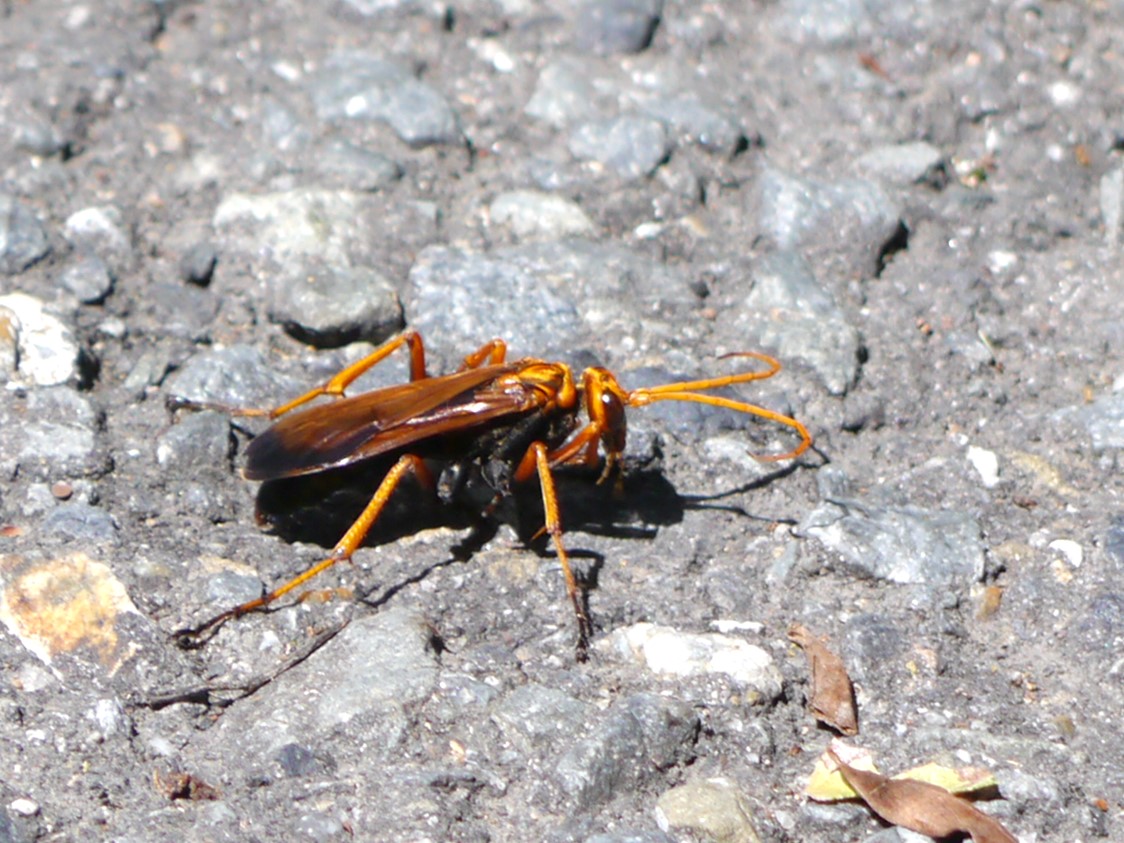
[
  {"x": 538, "y": 452},
  {"x": 494, "y": 351},
  {"x": 344, "y": 548},
  {"x": 343, "y": 379},
  {"x": 337, "y": 384},
  {"x": 579, "y": 449}
]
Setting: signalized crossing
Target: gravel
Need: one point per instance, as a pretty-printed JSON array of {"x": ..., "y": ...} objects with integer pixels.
[{"x": 915, "y": 207}]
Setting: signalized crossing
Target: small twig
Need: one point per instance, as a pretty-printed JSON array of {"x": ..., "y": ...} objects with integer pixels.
[{"x": 209, "y": 695}]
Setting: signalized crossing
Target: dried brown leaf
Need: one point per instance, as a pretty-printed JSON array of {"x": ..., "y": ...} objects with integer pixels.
[
  {"x": 922, "y": 807},
  {"x": 184, "y": 786},
  {"x": 832, "y": 697}
]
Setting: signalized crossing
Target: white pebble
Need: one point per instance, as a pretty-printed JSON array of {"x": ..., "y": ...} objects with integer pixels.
[
  {"x": 23, "y": 807},
  {"x": 673, "y": 653},
  {"x": 986, "y": 463},
  {"x": 1070, "y": 549}
]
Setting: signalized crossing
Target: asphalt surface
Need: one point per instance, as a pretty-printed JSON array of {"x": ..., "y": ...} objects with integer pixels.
[{"x": 916, "y": 208}]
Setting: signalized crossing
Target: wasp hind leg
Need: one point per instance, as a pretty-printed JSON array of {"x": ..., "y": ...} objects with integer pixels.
[{"x": 345, "y": 547}]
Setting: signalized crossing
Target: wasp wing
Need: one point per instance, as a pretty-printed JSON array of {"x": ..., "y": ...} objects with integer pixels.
[{"x": 348, "y": 430}]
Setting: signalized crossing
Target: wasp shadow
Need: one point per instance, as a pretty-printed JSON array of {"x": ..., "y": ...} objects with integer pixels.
[
  {"x": 319, "y": 508},
  {"x": 636, "y": 507}
]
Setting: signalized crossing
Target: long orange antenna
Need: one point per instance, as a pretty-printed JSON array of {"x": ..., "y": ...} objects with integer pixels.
[{"x": 692, "y": 391}]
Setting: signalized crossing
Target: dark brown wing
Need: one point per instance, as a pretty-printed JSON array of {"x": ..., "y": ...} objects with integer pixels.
[{"x": 348, "y": 430}]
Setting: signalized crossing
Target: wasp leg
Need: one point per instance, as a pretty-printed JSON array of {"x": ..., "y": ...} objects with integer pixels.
[
  {"x": 343, "y": 379},
  {"x": 541, "y": 460},
  {"x": 494, "y": 351},
  {"x": 344, "y": 548}
]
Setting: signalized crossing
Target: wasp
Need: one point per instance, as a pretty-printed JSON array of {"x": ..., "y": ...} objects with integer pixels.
[{"x": 531, "y": 416}]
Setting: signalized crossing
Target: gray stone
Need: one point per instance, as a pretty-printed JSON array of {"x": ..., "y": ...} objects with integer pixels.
[
  {"x": 838, "y": 23},
  {"x": 629, "y": 836},
  {"x": 297, "y": 760},
  {"x": 1026, "y": 788},
  {"x": 906, "y": 163},
  {"x": 283, "y": 128},
  {"x": 457, "y": 693},
  {"x": 234, "y": 377},
  {"x": 367, "y": 674},
  {"x": 291, "y": 224},
  {"x": 606, "y": 27},
  {"x": 197, "y": 264},
  {"x": 698, "y": 122},
  {"x": 546, "y": 298},
  {"x": 630, "y": 146},
  {"x": 565, "y": 93},
  {"x": 320, "y": 827},
  {"x": 328, "y": 306},
  {"x": 1113, "y": 542},
  {"x": 111, "y": 718},
  {"x": 232, "y": 588},
  {"x": 353, "y": 85},
  {"x": 1100, "y": 624},
  {"x": 80, "y": 522},
  {"x": 101, "y": 231},
  {"x": 789, "y": 312},
  {"x": 598, "y": 277},
  {"x": 466, "y": 299},
  {"x": 88, "y": 280},
  {"x": 48, "y": 434},
  {"x": 1112, "y": 204},
  {"x": 713, "y": 809},
  {"x": 639, "y": 735},
  {"x": 533, "y": 714},
  {"x": 873, "y": 646},
  {"x": 891, "y": 835},
  {"x": 374, "y": 8},
  {"x": 181, "y": 310},
  {"x": 355, "y": 168},
  {"x": 198, "y": 441},
  {"x": 902, "y": 544},
  {"x": 37, "y": 135},
  {"x": 1104, "y": 421},
  {"x": 848, "y": 223},
  {"x": 534, "y": 215},
  {"x": 148, "y": 370},
  {"x": 23, "y": 240},
  {"x": 336, "y": 227}
]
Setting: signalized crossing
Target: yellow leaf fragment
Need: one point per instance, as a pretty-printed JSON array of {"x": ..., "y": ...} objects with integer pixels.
[
  {"x": 952, "y": 779},
  {"x": 912, "y": 799},
  {"x": 827, "y": 783}
]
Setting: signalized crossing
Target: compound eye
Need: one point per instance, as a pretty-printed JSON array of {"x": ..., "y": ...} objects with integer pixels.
[{"x": 615, "y": 422}]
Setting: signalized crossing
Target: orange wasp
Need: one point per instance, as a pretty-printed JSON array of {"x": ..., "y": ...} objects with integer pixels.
[{"x": 527, "y": 413}]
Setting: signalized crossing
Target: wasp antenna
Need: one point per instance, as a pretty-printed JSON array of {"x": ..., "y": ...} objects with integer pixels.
[
  {"x": 720, "y": 381},
  {"x": 773, "y": 363},
  {"x": 647, "y": 396}
]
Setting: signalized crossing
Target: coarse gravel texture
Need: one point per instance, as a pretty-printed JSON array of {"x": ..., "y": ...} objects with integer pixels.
[{"x": 916, "y": 206}]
